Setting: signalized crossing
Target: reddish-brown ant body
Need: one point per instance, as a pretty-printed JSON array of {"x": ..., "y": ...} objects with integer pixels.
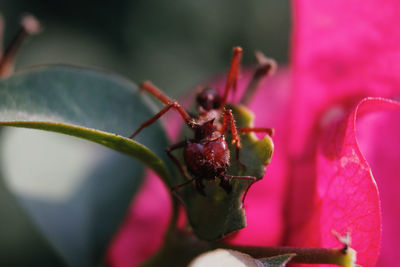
[{"x": 207, "y": 155}]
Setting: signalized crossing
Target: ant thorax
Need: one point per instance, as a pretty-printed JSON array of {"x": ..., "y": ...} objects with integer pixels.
[
  {"x": 209, "y": 115},
  {"x": 206, "y": 130}
]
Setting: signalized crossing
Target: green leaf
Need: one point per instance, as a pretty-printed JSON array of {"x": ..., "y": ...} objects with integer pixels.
[
  {"x": 217, "y": 214},
  {"x": 21, "y": 244},
  {"x": 99, "y": 107},
  {"x": 80, "y": 210},
  {"x": 277, "y": 261}
]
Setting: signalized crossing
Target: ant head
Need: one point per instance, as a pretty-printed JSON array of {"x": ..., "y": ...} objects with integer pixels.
[{"x": 208, "y": 98}]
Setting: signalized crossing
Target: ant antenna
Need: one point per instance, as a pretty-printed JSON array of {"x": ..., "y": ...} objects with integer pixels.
[
  {"x": 265, "y": 67},
  {"x": 29, "y": 26},
  {"x": 233, "y": 73}
]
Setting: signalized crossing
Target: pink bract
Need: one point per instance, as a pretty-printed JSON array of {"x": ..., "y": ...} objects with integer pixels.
[{"x": 343, "y": 51}]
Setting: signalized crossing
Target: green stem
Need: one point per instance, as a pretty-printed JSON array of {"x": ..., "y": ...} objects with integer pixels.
[
  {"x": 174, "y": 216},
  {"x": 343, "y": 257},
  {"x": 180, "y": 247}
]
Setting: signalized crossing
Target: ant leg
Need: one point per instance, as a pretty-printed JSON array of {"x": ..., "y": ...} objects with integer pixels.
[
  {"x": 199, "y": 187},
  {"x": 251, "y": 178},
  {"x": 153, "y": 90},
  {"x": 228, "y": 118},
  {"x": 175, "y": 188},
  {"x": 265, "y": 67},
  {"x": 233, "y": 74},
  {"x": 29, "y": 26},
  {"x": 180, "y": 166},
  {"x": 174, "y": 105},
  {"x": 151, "y": 120},
  {"x": 269, "y": 131}
]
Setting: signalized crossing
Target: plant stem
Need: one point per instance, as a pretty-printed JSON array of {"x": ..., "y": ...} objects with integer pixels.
[
  {"x": 174, "y": 216},
  {"x": 29, "y": 26},
  {"x": 343, "y": 257},
  {"x": 180, "y": 247}
]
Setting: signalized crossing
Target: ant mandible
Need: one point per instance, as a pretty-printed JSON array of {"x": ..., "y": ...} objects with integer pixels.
[{"x": 207, "y": 155}]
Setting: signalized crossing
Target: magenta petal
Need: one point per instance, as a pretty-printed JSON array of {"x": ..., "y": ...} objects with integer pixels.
[
  {"x": 342, "y": 49},
  {"x": 378, "y": 137},
  {"x": 346, "y": 197}
]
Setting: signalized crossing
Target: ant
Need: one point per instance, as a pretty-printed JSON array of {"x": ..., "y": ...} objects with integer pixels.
[{"x": 207, "y": 155}]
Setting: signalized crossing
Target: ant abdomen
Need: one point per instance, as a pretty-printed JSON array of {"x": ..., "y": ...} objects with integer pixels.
[{"x": 207, "y": 159}]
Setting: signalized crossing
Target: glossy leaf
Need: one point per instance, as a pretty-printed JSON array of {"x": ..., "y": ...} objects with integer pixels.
[
  {"x": 21, "y": 244},
  {"x": 217, "y": 214},
  {"x": 99, "y": 107},
  {"x": 94, "y": 184}
]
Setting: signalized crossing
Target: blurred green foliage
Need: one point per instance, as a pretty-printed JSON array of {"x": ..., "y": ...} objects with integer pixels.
[{"x": 176, "y": 44}]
